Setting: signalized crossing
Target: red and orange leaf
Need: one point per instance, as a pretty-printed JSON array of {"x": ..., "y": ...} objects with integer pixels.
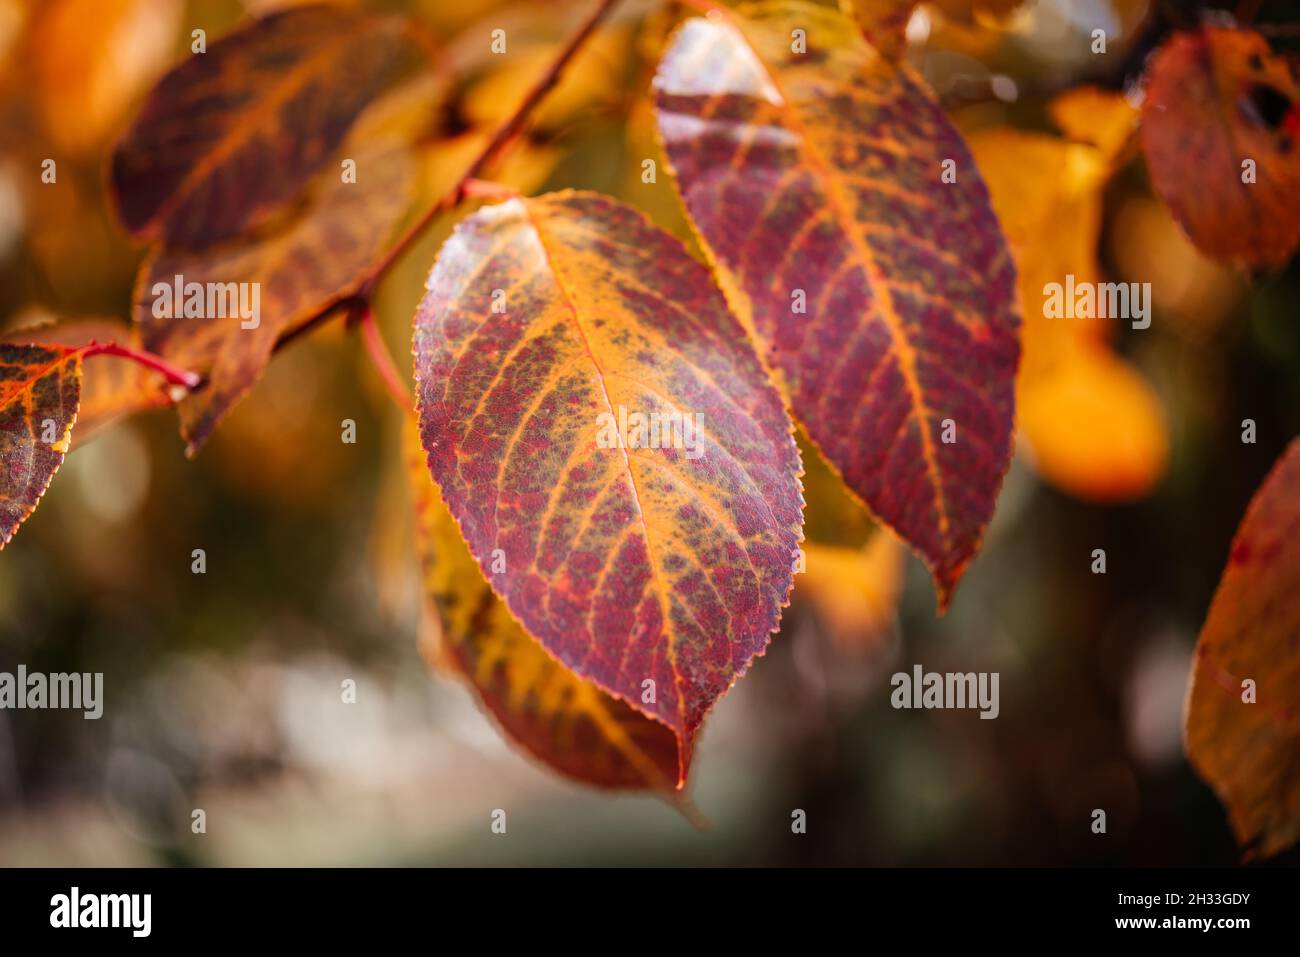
[
  {"x": 39, "y": 390},
  {"x": 1217, "y": 99},
  {"x": 1249, "y": 750},
  {"x": 230, "y": 135},
  {"x": 561, "y": 719},
  {"x": 819, "y": 173},
  {"x": 660, "y": 570},
  {"x": 110, "y": 387},
  {"x": 315, "y": 259}
]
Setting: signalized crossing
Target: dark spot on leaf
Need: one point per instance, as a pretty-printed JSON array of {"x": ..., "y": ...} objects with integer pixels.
[{"x": 1265, "y": 106}]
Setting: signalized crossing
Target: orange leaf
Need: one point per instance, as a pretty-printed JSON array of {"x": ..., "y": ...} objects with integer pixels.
[
  {"x": 1095, "y": 427},
  {"x": 882, "y": 295},
  {"x": 91, "y": 58},
  {"x": 230, "y": 135},
  {"x": 653, "y": 562},
  {"x": 1220, "y": 105},
  {"x": 855, "y": 590},
  {"x": 564, "y": 721},
  {"x": 1089, "y": 114},
  {"x": 39, "y": 391},
  {"x": 1245, "y": 740}
]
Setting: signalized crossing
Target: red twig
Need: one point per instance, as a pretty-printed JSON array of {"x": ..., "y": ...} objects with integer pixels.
[
  {"x": 383, "y": 361},
  {"x": 147, "y": 359}
]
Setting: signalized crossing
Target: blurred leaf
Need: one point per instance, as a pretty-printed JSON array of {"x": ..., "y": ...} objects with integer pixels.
[
  {"x": 566, "y": 722},
  {"x": 883, "y": 22},
  {"x": 819, "y": 174},
  {"x": 628, "y": 563},
  {"x": 316, "y": 258},
  {"x": 1249, "y": 750},
  {"x": 39, "y": 389},
  {"x": 1217, "y": 99},
  {"x": 1088, "y": 114},
  {"x": 89, "y": 60},
  {"x": 230, "y": 135},
  {"x": 1095, "y": 428},
  {"x": 591, "y": 80},
  {"x": 855, "y": 591}
]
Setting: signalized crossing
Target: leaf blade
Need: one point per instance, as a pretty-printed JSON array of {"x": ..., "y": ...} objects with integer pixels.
[
  {"x": 614, "y": 314},
  {"x": 1247, "y": 752},
  {"x": 761, "y": 155},
  {"x": 310, "y": 262},
  {"x": 228, "y": 136},
  {"x": 36, "y": 384},
  {"x": 1252, "y": 99},
  {"x": 559, "y": 718}
]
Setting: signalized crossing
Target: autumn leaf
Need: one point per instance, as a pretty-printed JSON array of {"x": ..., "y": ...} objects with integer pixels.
[
  {"x": 1096, "y": 427},
  {"x": 1221, "y": 129},
  {"x": 39, "y": 391},
  {"x": 1089, "y": 114},
  {"x": 109, "y": 389},
  {"x": 91, "y": 58},
  {"x": 562, "y": 720},
  {"x": 658, "y": 573},
  {"x": 230, "y": 135},
  {"x": 883, "y": 297},
  {"x": 1244, "y": 740},
  {"x": 315, "y": 259}
]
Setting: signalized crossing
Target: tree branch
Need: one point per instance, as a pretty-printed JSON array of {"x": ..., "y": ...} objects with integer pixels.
[{"x": 504, "y": 134}]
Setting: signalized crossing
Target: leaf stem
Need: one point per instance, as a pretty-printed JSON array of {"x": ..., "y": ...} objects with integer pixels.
[
  {"x": 382, "y": 360},
  {"x": 147, "y": 359}
]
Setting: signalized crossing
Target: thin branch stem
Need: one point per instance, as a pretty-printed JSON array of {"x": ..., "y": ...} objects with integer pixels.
[
  {"x": 147, "y": 359},
  {"x": 503, "y": 136},
  {"x": 383, "y": 361}
]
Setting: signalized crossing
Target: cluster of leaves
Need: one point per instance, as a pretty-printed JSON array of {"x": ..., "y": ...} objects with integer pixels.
[{"x": 600, "y": 600}]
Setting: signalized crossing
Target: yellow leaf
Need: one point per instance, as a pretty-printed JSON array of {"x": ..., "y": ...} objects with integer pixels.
[
  {"x": 562, "y": 719},
  {"x": 855, "y": 591},
  {"x": 1095, "y": 428}
]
